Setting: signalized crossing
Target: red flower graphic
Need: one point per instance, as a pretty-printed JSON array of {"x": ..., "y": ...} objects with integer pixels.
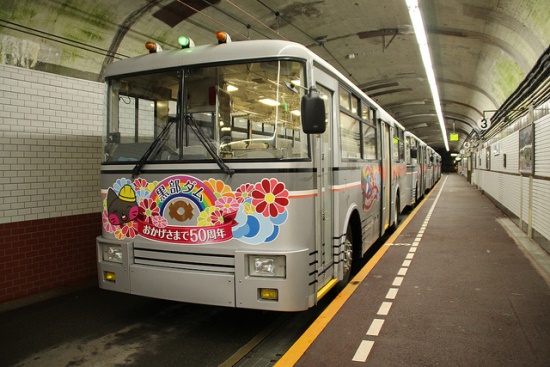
[
  {"x": 270, "y": 197},
  {"x": 243, "y": 192},
  {"x": 140, "y": 183},
  {"x": 130, "y": 229},
  {"x": 216, "y": 217},
  {"x": 148, "y": 208}
]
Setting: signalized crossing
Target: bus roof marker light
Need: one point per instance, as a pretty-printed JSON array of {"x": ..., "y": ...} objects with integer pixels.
[
  {"x": 153, "y": 47},
  {"x": 223, "y": 37},
  {"x": 185, "y": 42}
]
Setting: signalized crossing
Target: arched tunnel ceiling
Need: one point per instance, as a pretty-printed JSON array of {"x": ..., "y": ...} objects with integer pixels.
[{"x": 481, "y": 50}]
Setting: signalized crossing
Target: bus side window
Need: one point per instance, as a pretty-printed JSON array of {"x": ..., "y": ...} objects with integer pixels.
[
  {"x": 414, "y": 152},
  {"x": 369, "y": 141}
]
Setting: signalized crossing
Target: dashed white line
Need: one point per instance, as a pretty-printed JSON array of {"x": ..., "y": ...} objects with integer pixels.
[
  {"x": 397, "y": 281},
  {"x": 392, "y": 293},
  {"x": 363, "y": 351},
  {"x": 365, "y": 347},
  {"x": 384, "y": 309},
  {"x": 375, "y": 327}
]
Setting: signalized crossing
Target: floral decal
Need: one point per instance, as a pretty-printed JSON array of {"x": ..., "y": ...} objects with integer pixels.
[
  {"x": 243, "y": 192},
  {"x": 106, "y": 223},
  {"x": 270, "y": 197},
  {"x": 148, "y": 209},
  {"x": 219, "y": 188},
  {"x": 128, "y": 230},
  {"x": 183, "y": 209},
  {"x": 370, "y": 184},
  {"x": 227, "y": 204}
]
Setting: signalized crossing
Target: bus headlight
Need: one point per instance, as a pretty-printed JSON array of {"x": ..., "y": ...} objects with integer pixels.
[
  {"x": 267, "y": 266},
  {"x": 112, "y": 253}
]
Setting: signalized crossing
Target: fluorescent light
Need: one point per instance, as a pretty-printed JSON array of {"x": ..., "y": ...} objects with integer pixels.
[
  {"x": 231, "y": 88},
  {"x": 269, "y": 102},
  {"x": 295, "y": 112},
  {"x": 420, "y": 32}
]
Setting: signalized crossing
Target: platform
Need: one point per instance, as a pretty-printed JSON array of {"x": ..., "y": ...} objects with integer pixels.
[{"x": 454, "y": 287}]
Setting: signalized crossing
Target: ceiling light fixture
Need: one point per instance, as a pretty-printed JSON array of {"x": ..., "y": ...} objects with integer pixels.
[
  {"x": 269, "y": 102},
  {"x": 421, "y": 38},
  {"x": 231, "y": 88}
]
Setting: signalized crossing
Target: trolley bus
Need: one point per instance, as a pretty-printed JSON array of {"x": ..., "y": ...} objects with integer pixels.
[
  {"x": 423, "y": 168},
  {"x": 245, "y": 174}
]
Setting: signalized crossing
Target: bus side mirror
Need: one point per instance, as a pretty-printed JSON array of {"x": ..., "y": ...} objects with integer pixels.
[
  {"x": 313, "y": 113},
  {"x": 414, "y": 153}
]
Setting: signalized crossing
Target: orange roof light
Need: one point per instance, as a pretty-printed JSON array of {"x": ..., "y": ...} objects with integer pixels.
[
  {"x": 153, "y": 47},
  {"x": 223, "y": 37}
]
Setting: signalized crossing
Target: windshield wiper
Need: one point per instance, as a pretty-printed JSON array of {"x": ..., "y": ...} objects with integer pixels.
[
  {"x": 207, "y": 144},
  {"x": 155, "y": 145}
]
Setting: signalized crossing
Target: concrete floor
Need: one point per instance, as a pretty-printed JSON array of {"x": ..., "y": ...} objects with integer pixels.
[{"x": 454, "y": 289}]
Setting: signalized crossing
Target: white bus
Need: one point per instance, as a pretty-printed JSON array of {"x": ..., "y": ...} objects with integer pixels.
[{"x": 242, "y": 174}]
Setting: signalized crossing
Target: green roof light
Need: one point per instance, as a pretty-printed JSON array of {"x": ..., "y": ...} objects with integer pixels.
[{"x": 185, "y": 42}]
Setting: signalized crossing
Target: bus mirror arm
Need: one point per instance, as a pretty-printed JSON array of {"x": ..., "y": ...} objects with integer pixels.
[{"x": 313, "y": 112}]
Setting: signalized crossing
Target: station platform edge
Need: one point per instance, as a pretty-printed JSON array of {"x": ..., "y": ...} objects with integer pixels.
[{"x": 457, "y": 284}]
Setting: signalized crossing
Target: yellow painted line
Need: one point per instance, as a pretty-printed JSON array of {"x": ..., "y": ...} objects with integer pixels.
[{"x": 308, "y": 337}]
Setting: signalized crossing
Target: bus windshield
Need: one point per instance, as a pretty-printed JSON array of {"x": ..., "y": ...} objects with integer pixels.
[{"x": 247, "y": 111}]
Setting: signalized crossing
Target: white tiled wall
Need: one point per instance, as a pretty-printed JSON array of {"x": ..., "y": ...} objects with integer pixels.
[
  {"x": 510, "y": 189},
  {"x": 50, "y": 136}
]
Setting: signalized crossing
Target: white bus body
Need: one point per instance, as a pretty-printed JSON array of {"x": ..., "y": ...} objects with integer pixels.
[{"x": 213, "y": 193}]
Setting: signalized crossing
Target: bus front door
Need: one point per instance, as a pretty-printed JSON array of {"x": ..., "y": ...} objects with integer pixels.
[
  {"x": 386, "y": 175},
  {"x": 324, "y": 159}
]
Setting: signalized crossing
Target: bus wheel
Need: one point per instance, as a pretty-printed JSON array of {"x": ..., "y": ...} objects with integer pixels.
[
  {"x": 347, "y": 261},
  {"x": 396, "y": 212}
]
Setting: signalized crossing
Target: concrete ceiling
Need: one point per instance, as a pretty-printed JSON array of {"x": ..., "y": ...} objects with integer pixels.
[{"x": 481, "y": 50}]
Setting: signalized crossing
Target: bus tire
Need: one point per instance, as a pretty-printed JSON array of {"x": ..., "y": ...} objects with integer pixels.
[
  {"x": 351, "y": 261},
  {"x": 347, "y": 261},
  {"x": 396, "y": 212}
]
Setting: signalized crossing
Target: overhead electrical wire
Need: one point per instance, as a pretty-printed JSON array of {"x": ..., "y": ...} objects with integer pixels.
[
  {"x": 247, "y": 25},
  {"x": 256, "y": 19},
  {"x": 58, "y": 39},
  {"x": 209, "y": 17},
  {"x": 278, "y": 15}
]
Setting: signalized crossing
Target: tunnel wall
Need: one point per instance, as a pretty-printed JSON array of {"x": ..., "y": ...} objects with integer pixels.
[
  {"x": 51, "y": 137},
  {"x": 524, "y": 196}
]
